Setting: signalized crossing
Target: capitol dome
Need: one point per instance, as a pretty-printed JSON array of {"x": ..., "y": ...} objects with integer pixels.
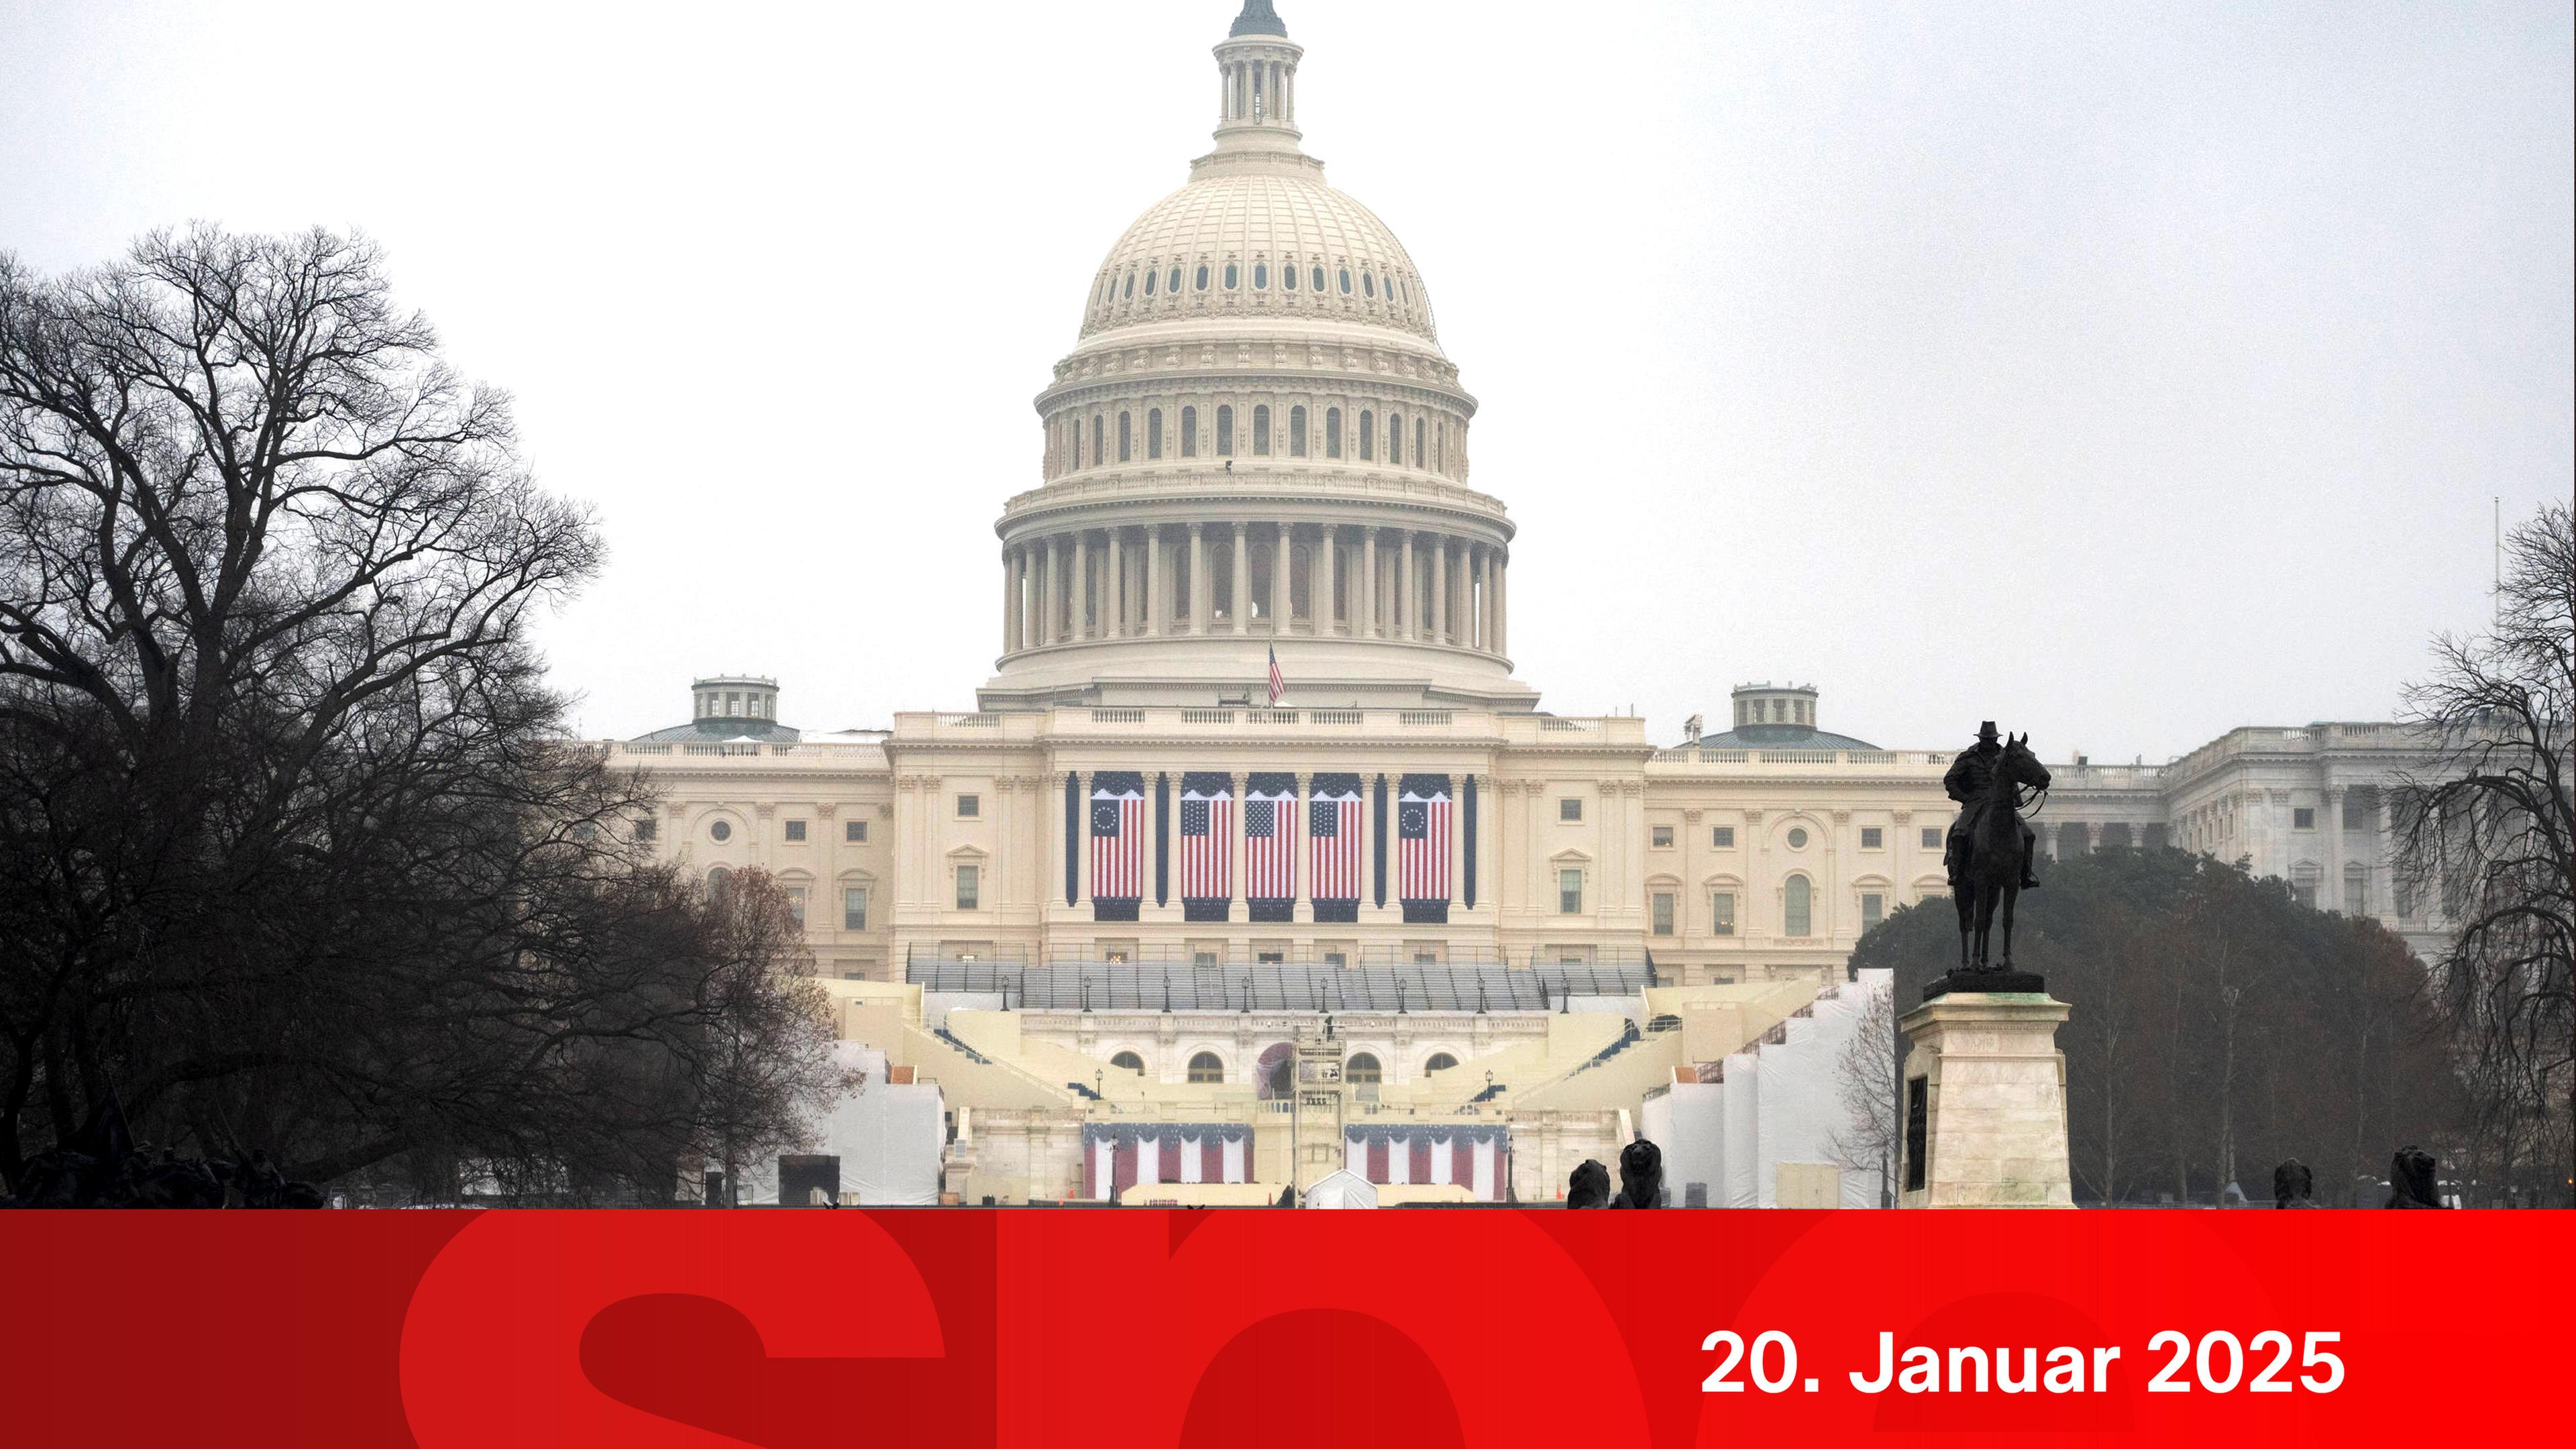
[
  {"x": 1279, "y": 245},
  {"x": 1256, "y": 449}
]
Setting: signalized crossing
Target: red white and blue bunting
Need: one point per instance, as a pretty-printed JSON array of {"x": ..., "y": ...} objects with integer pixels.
[
  {"x": 1477, "y": 1158},
  {"x": 1118, "y": 1155}
]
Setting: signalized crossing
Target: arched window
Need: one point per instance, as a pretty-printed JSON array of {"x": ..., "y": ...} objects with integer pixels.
[
  {"x": 1260, "y": 275},
  {"x": 1261, "y": 430},
  {"x": 1175, "y": 284},
  {"x": 1288, "y": 278},
  {"x": 1417, "y": 442},
  {"x": 1129, "y": 1060},
  {"x": 1276, "y": 1071},
  {"x": 1149, "y": 284},
  {"x": 1124, "y": 438},
  {"x": 1395, "y": 437},
  {"x": 1099, "y": 437},
  {"x": 1346, "y": 281},
  {"x": 1231, "y": 277},
  {"x": 1440, "y": 1062},
  {"x": 1368, "y": 283},
  {"x": 1153, "y": 432},
  {"x": 1362, "y": 1070},
  {"x": 718, "y": 881},
  {"x": 1131, "y": 284},
  {"x": 1202, "y": 277},
  {"x": 1368, "y": 434},
  {"x": 1332, "y": 432},
  {"x": 1297, "y": 432},
  {"x": 1224, "y": 431},
  {"x": 1319, "y": 280},
  {"x": 1206, "y": 1070},
  {"x": 1189, "y": 432},
  {"x": 1795, "y": 915}
]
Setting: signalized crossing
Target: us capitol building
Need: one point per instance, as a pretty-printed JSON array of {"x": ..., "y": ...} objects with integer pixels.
[{"x": 1118, "y": 908}]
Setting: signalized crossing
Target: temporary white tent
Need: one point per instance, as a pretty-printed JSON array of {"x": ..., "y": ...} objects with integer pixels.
[{"x": 1344, "y": 1189}]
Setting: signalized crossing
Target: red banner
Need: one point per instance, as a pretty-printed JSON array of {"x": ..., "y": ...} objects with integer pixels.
[{"x": 1135, "y": 1327}]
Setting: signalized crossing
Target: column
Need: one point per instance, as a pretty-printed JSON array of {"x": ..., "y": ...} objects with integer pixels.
[
  {"x": 1332, "y": 561},
  {"x": 1113, "y": 585},
  {"x": 1010, "y": 602},
  {"x": 1081, "y": 609},
  {"x": 1439, "y": 589},
  {"x": 1158, "y": 611},
  {"x": 1282, "y": 560},
  {"x": 1485, "y": 630},
  {"x": 1202, "y": 598},
  {"x": 1242, "y": 578},
  {"x": 1054, "y": 568},
  {"x": 1364, "y": 598},
  {"x": 1408, "y": 603},
  {"x": 1502, "y": 604}
]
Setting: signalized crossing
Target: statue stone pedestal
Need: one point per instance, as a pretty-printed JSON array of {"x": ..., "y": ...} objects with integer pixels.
[{"x": 1982, "y": 1109}]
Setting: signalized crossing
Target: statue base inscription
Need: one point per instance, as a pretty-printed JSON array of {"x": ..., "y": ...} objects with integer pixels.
[{"x": 1983, "y": 1102}]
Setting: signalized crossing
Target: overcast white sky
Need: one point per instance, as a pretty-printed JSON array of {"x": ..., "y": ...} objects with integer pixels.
[{"x": 2180, "y": 346}]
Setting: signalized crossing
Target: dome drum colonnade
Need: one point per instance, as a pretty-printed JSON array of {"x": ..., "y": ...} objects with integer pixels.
[
  {"x": 1257, "y": 438},
  {"x": 1359, "y": 581}
]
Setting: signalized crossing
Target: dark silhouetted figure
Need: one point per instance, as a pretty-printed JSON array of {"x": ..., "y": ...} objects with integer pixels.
[
  {"x": 2410, "y": 1180},
  {"x": 2292, "y": 1185},
  {"x": 1589, "y": 1187},
  {"x": 1641, "y": 1176},
  {"x": 1287, "y": 1196}
]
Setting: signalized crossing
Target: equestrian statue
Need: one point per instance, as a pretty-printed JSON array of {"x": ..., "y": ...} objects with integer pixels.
[{"x": 1991, "y": 847}]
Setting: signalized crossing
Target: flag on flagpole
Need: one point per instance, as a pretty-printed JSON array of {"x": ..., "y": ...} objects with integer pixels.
[{"x": 1278, "y": 682}]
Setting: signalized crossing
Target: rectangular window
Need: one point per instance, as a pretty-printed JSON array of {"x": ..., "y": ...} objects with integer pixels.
[
  {"x": 1202, "y": 958},
  {"x": 648, "y": 829},
  {"x": 2303, "y": 819},
  {"x": 1569, "y": 892},
  {"x": 1870, "y": 839},
  {"x": 796, "y": 903},
  {"x": 1225, "y": 432},
  {"x": 969, "y": 888},
  {"x": 1337, "y": 959},
  {"x": 1663, "y": 837},
  {"x": 1261, "y": 430},
  {"x": 1663, "y": 913},
  {"x": 2357, "y": 812},
  {"x": 796, "y": 830},
  {"x": 1296, "y": 432},
  {"x": 854, "y": 908},
  {"x": 1569, "y": 809},
  {"x": 1931, "y": 837},
  {"x": 1721, "y": 913},
  {"x": 855, "y": 831},
  {"x": 1189, "y": 432},
  {"x": 2356, "y": 896},
  {"x": 969, "y": 806},
  {"x": 1722, "y": 837},
  {"x": 2305, "y": 893},
  {"x": 1332, "y": 432},
  {"x": 1873, "y": 909}
]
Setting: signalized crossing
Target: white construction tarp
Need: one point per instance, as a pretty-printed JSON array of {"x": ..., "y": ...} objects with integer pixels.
[{"x": 890, "y": 1139}]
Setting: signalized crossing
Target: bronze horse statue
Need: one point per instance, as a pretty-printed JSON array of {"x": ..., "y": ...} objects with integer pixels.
[{"x": 1987, "y": 873}]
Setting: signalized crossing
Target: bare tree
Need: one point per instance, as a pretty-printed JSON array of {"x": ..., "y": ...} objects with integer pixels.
[
  {"x": 768, "y": 1045},
  {"x": 294, "y": 852},
  {"x": 2491, "y": 824},
  {"x": 1865, "y": 1140}
]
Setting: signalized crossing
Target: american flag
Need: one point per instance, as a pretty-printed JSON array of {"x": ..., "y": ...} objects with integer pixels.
[
  {"x": 1278, "y": 681},
  {"x": 1117, "y": 835},
  {"x": 1207, "y": 837},
  {"x": 1270, "y": 838},
  {"x": 1333, "y": 839},
  {"x": 1422, "y": 839}
]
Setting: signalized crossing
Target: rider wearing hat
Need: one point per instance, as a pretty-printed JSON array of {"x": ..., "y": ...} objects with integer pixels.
[{"x": 1969, "y": 778}]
